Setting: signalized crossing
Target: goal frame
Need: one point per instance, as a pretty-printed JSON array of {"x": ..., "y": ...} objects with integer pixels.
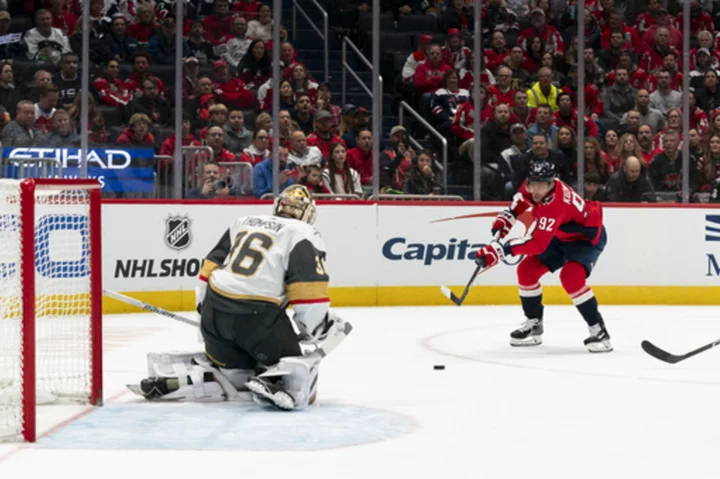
[{"x": 28, "y": 187}]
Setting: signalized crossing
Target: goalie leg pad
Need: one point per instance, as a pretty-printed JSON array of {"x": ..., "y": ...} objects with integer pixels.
[
  {"x": 297, "y": 376},
  {"x": 188, "y": 376}
]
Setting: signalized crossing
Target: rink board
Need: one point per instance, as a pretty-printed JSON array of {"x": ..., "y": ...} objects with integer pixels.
[{"x": 399, "y": 254}]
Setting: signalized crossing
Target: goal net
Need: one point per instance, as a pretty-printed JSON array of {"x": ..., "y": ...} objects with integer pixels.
[{"x": 50, "y": 299}]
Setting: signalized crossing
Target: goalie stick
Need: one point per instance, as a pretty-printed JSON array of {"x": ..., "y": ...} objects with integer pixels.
[
  {"x": 478, "y": 271},
  {"x": 663, "y": 355},
  {"x": 323, "y": 349}
]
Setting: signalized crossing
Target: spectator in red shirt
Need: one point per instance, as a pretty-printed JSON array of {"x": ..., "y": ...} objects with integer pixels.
[
  {"x": 216, "y": 141},
  {"x": 548, "y": 34},
  {"x": 502, "y": 92},
  {"x": 141, "y": 71},
  {"x": 463, "y": 124},
  {"x": 616, "y": 22},
  {"x": 610, "y": 57},
  {"x": 415, "y": 58},
  {"x": 566, "y": 115},
  {"x": 110, "y": 89},
  {"x": 497, "y": 52},
  {"x": 646, "y": 143},
  {"x": 302, "y": 83},
  {"x": 258, "y": 150},
  {"x": 219, "y": 23},
  {"x": 700, "y": 20},
  {"x": 429, "y": 74},
  {"x": 520, "y": 112},
  {"x": 454, "y": 51},
  {"x": 360, "y": 157},
  {"x": 674, "y": 35},
  {"x": 144, "y": 25},
  {"x": 313, "y": 180},
  {"x": 638, "y": 76},
  {"x": 648, "y": 18},
  {"x": 218, "y": 117},
  {"x": 168, "y": 146},
  {"x": 654, "y": 58},
  {"x": 138, "y": 132},
  {"x": 231, "y": 91},
  {"x": 246, "y": 8},
  {"x": 62, "y": 18},
  {"x": 323, "y": 136},
  {"x": 594, "y": 106},
  {"x": 676, "y": 79}
]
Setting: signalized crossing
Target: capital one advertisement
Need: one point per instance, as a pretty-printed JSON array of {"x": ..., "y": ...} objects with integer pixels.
[{"x": 160, "y": 247}]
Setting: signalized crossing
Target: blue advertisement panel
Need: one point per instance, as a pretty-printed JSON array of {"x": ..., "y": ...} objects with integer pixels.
[{"x": 119, "y": 170}]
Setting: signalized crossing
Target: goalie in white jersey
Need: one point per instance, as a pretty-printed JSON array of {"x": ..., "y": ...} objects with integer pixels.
[{"x": 260, "y": 264}]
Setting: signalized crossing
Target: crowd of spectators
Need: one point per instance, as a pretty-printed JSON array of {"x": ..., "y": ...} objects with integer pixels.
[
  {"x": 633, "y": 84},
  {"x": 528, "y": 92},
  {"x": 227, "y": 93}
]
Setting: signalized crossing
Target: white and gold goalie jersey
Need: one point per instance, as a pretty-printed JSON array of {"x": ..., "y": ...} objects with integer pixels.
[{"x": 271, "y": 259}]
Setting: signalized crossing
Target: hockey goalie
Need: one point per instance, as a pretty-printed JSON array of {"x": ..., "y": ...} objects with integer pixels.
[{"x": 260, "y": 265}]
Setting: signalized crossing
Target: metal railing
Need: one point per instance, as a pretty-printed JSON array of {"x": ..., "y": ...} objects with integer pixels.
[
  {"x": 321, "y": 196},
  {"x": 347, "y": 68},
  {"x": 443, "y": 141},
  {"x": 163, "y": 176},
  {"x": 194, "y": 158},
  {"x": 422, "y": 197},
  {"x": 323, "y": 35},
  {"x": 239, "y": 176},
  {"x": 20, "y": 168}
]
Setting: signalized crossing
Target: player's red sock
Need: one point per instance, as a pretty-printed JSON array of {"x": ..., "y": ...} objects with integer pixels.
[
  {"x": 572, "y": 277},
  {"x": 529, "y": 272}
]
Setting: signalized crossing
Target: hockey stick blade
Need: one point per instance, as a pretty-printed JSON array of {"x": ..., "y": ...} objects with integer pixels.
[
  {"x": 459, "y": 301},
  {"x": 450, "y": 295},
  {"x": 662, "y": 355}
]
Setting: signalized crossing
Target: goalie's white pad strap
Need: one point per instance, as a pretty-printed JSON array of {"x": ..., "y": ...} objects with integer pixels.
[{"x": 230, "y": 391}]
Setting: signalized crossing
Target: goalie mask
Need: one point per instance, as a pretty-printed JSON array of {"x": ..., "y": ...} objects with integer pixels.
[{"x": 295, "y": 202}]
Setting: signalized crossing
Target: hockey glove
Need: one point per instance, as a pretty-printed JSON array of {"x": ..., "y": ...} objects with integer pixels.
[
  {"x": 490, "y": 255},
  {"x": 200, "y": 291},
  {"x": 503, "y": 223}
]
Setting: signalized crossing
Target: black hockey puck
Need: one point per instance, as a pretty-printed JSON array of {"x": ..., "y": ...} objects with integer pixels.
[{"x": 439, "y": 367}]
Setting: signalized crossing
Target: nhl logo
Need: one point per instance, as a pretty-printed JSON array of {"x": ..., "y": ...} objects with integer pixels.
[{"x": 177, "y": 232}]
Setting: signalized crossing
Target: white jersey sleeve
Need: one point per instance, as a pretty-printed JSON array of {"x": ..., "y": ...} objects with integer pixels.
[{"x": 275, "y": 260}]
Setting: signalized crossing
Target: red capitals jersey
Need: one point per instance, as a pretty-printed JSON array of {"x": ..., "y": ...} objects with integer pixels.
[{"x": 564, "y": 215}]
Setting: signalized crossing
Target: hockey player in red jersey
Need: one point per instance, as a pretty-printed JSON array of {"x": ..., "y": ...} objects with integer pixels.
[{"x": 567, "y": 234}]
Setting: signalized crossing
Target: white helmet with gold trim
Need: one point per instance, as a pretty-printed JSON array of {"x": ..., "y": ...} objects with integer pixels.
[{"x": 295, "y": 202}]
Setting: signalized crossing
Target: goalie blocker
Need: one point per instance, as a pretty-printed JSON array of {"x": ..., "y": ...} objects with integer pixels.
[{"x": 261, "y": 264}]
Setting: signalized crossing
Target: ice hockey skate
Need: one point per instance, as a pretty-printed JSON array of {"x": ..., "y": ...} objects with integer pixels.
[
  {"x": 599, "y": 340},
  {"x": 529, "y": 334},
  {"x": 266, "y": 391}
]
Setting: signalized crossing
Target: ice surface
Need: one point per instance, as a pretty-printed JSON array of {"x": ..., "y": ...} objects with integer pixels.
[{"x": 554, "y": 411}]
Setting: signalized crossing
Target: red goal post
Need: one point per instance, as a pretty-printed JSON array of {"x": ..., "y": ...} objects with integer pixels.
[{"x": 50, "y": 299}]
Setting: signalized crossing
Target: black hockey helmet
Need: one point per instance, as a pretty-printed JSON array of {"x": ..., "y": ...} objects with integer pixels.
[{"x": 541, "y": 170}]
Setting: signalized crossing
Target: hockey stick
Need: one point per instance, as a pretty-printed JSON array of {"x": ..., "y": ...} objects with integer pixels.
[
  {"x": 150, "y": 307},
  {"x": 662, "y": 355},
  {"x": 459, "y": 301},
  {"x": 323, "y": 349},
  {"x": 478, "y": 270}
]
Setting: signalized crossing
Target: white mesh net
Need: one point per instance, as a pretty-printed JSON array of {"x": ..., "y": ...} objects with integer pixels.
[{"x": 63, "y": 343}]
